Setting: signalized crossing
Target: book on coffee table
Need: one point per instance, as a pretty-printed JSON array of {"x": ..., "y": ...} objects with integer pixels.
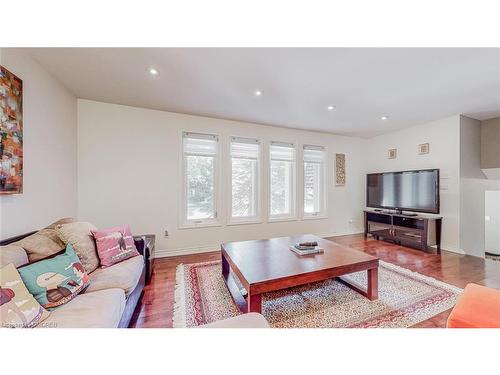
[
  {"x": 308, "y": 251},
  {"x": 306, "y": 245}
]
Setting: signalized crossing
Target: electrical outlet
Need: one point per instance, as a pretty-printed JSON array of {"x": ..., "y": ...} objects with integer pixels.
[{"x": 166, "y": 233}]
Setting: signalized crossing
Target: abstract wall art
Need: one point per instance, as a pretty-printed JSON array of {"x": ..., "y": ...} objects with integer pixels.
[
  {"x": 340, "y": 169},
  {"x": 11, "y": 133}
]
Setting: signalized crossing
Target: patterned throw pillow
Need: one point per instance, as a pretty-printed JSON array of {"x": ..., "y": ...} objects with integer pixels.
[
  {"x": 55, "y": 280},
  {"x": 114, "y": 245},
  {"x": 18, "y": 308}
]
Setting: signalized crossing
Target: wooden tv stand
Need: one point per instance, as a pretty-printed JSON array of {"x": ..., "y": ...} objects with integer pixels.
[{"x": 419, "y": 231}]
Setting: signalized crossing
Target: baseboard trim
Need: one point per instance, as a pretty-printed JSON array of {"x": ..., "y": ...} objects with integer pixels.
[
  {"x": 453, "y": 250},
  {"x": 340, "y": 234},
  {"x": 165, "y": 253}
]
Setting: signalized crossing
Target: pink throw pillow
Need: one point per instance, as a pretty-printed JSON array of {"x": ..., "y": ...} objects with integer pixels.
[{"x": 114, "y": 245}]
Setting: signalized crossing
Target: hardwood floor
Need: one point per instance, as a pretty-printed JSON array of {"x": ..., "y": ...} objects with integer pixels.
[{"x": 157, "y": 305}]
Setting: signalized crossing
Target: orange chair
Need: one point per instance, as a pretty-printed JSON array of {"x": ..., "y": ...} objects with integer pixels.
[{"x": 477, "y": 307}]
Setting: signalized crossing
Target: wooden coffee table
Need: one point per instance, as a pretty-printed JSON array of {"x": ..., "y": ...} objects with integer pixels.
[{"x": 269, "y": 265}]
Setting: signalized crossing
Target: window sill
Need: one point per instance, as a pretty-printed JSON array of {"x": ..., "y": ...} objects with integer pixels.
[
  {"x": 244, "y": 222},
  {"x": 318, "y": 217},
  {"x": 281, "y": 219},
  {"x": 201, "y": 225}
]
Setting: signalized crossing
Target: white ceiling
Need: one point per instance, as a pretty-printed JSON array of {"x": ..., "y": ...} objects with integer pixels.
[{"x": 411, "y": 86}]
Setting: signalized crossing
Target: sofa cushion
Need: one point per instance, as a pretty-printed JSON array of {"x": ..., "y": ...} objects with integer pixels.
[
  {"x": 124, "y": 275},
  {"x": 101, "y": 309},
  {"x": 114, "y": 245},
  {"x": 79, "y": 235},
  {"x": 56, "y": 280},
  {"x": 250, "y": 320},
  {"x": 45, "y": 242},
  {"x": 18, "y": 308},
  {"x": 14, "y": 254}
]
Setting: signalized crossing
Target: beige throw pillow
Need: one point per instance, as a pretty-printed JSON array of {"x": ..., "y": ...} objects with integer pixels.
[
  {"x": 43, "y": 243},
  {"x": 14, "y": 254},
  {"x": 79, "y": 235}
]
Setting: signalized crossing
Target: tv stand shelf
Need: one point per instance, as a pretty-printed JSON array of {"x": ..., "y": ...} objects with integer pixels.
[{"x": 420, "y": 231}]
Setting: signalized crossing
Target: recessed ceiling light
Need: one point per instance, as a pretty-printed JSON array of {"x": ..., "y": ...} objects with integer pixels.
[
  {"x": 384, "y": 117},
  {"x": 258, "y": 93},
  {"x": 153, "y": 71},
  {"x": 330, "y": 107}
]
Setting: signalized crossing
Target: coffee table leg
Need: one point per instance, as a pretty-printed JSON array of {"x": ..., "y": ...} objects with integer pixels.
[
  {"x": 225, "y": 266},
  {"x": 372, "y": 290},
  {"x": 254, "y": 303}
]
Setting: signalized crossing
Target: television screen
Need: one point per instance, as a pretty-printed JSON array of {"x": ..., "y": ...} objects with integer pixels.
[{"x": 407, "y": 190}]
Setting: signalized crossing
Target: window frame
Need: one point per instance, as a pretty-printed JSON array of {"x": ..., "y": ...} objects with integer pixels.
[
  {"x": 322, "y": 214},
  {"x": 184, "y": 222},
  {"x": 292, "y": 216},
  {"x": 257, "y": 218}
]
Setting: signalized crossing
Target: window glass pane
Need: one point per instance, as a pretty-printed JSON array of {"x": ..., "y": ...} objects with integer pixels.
[
  {"x": 312, "y": 187},
  {"x": 244, "y": 187},
  {"x": 244, "y": 177},
  {"x": 200, "y": 187},
  {"x": 282, "y": 165},
  {"x": 281, "y": 187},
  {"x": 200, "y": 152},
  {"x": 314, "y": 157}
]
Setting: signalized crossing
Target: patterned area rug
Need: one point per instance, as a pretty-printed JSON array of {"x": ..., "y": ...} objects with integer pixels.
[{"x": 405, "y": 298}]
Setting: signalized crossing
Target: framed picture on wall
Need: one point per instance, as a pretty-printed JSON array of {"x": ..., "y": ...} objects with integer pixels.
[
  {"x": 339, "y": 169},
  {"x": 392, "y": 153},
  {"x": 423, "y": 149},
  {"x": 11, "y": 133}
]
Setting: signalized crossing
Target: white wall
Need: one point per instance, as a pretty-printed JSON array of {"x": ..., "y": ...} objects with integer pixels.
[
  {"x": 443, "y": 137},
  {"x": 128, "y": 172},
  {"x": 490, "y": 141},
  {"x": 492, "y": 212},
  {"x": 473, "y": 187},
  {"x": 50, "y": 186}
]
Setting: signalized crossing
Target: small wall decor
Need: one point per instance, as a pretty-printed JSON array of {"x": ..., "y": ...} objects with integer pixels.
[
  {"x": 340, "y": 169},
  {"x": 392, "y": 153},
  {"x": 11, "y": 133},
  {"x": 423, "y": 148}
]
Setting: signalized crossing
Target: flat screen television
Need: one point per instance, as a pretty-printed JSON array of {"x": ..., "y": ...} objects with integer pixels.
[{"x": 416, "y": 191}]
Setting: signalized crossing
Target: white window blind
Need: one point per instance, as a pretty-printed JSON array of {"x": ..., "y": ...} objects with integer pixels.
[
  {"x": 282, "y": 151},
  {"x": 314, "y": 154},
  {"x": 200, "y": 144},
  {"x": 245, "y": 148}
]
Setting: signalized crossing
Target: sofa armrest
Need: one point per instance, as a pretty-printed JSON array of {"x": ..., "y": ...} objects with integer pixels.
[
  {"x": 140, "y": 244},
  {"x": 145, "y": 244}
]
